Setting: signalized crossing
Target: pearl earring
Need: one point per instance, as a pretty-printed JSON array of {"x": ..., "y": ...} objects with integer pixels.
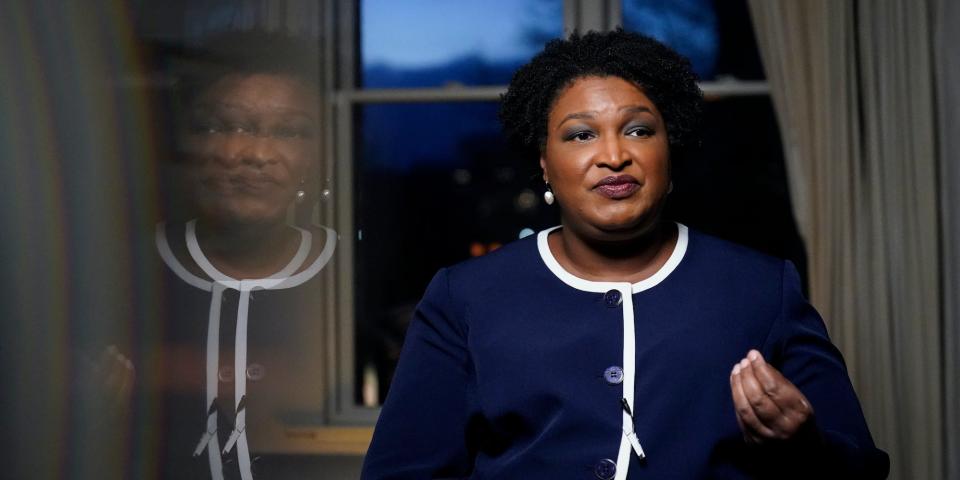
[
  {"x": 327, "y": 193},
  {"x": 670, "y": 187},
  {"x": 548, "y": 196},
  {"x": 301, "y": 193}
]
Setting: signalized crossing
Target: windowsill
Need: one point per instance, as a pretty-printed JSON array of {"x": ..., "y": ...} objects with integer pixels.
[{"x": 323, "y": 441}]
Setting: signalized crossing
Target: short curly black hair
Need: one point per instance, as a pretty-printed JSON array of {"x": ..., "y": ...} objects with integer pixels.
[
  {"x": 664, "y": 76},
  {"x": 245, "y": 52}
]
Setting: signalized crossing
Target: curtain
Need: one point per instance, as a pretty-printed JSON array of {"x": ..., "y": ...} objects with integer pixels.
[
  {"x": 853, "y": 86},
  {"x": 947, "y": 37}
]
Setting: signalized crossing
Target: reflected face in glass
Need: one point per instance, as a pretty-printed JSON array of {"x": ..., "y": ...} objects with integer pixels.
[
  {"x": 607, "y": 157},
  {"x": 251, "y": 143}
]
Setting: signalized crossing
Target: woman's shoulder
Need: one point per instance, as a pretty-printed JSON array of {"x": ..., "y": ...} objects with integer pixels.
[
  {"x": 723, "y": 262},
  {"x": 738, "y": 281},
  {"x": 729, "y": 254}
]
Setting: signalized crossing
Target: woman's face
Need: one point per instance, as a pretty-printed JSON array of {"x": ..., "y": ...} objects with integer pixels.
[
  {"x": 607, "y": 158},
  {"x": 251, "y": 143}
]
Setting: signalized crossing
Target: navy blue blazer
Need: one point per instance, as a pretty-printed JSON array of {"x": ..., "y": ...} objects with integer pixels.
[{"x": 514, "y": 368}]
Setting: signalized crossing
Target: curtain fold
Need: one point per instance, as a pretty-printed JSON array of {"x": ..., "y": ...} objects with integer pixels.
[
  {"x": 947, "y": 54},
  {"x": 853, "y": 86}
]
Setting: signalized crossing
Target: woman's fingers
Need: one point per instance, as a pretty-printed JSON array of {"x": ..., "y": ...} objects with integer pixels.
[
  {"x": 768, "y": 405},
  {"x": 788, "y": 398},
  {"x": 127, "y": 377},
  {"x": 763, "y": 406},
  {"x": 781, "y": 421},
  {"x": 770, "y": 379},
  {"x": 753, "y": 428},
  {"x": 109, "y": 368},
  {"x": 118, "y": 374}
]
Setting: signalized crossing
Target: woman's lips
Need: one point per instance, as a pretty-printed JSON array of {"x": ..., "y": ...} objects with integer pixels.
[
  {"x": 617, "y": 187},
  {"x": 252, "y": 183}
]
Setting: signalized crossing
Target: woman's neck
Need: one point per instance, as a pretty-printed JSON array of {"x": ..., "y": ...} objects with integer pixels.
[
  {"x": 246, "y": 252},
  {"x": 631, "y": 260}
]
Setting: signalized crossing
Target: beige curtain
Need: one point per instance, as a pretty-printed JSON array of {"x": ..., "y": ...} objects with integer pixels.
[
  {"x": 947, "y": 48},
  {"x": 853, "y": 86}
]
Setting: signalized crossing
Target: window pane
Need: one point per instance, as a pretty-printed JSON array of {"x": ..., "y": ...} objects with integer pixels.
[
  {"x": 435, "y": 185},
  {"x": 717, "y": 36},
  {"x": 430, "y": 43}
]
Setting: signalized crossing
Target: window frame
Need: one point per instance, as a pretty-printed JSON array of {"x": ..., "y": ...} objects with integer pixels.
[{"x": 340, "y": 47}]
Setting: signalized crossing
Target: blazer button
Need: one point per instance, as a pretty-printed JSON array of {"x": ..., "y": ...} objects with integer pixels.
[
  {"x": 605, "y": 469},
  {"x": 613, "y": 375},
  {"x": 612, "y": 298}
]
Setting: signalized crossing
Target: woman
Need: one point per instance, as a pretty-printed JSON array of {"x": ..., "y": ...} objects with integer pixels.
[
  {"x": 603, "y": 348},
  {"x": 244, "y": 285}
]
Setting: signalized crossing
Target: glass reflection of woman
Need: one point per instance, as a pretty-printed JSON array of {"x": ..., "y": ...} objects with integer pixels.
[
  {"x": 617, "y": 345},
  {"x": 243, "y": 283}
]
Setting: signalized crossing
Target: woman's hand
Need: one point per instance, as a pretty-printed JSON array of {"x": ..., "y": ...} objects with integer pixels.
[
  {"x": 106, "y": 383},
  {"x": 769, "y": 407},
  {"x": 116, "y": 375}
]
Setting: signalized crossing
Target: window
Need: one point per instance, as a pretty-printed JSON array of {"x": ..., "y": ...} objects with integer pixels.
[
  {"x": 421, "y": 176},
  {"x": 433, "y": 182}
]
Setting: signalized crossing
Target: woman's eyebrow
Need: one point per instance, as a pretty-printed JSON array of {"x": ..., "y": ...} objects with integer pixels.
[
  {"x": 578, "y": 116},
  {"x": 636, "y": 109},
  {"x": 240, "y": 108},
  {"x": 589, "y": 114}
]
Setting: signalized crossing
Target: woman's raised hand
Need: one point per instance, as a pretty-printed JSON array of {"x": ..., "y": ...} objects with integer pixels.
[{"x": 768, "y": 406}]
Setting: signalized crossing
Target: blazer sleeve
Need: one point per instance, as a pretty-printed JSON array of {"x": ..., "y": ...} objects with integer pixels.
[
  {"x": 422, "y": 429},
  {"x": 837, "y": 443}
]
